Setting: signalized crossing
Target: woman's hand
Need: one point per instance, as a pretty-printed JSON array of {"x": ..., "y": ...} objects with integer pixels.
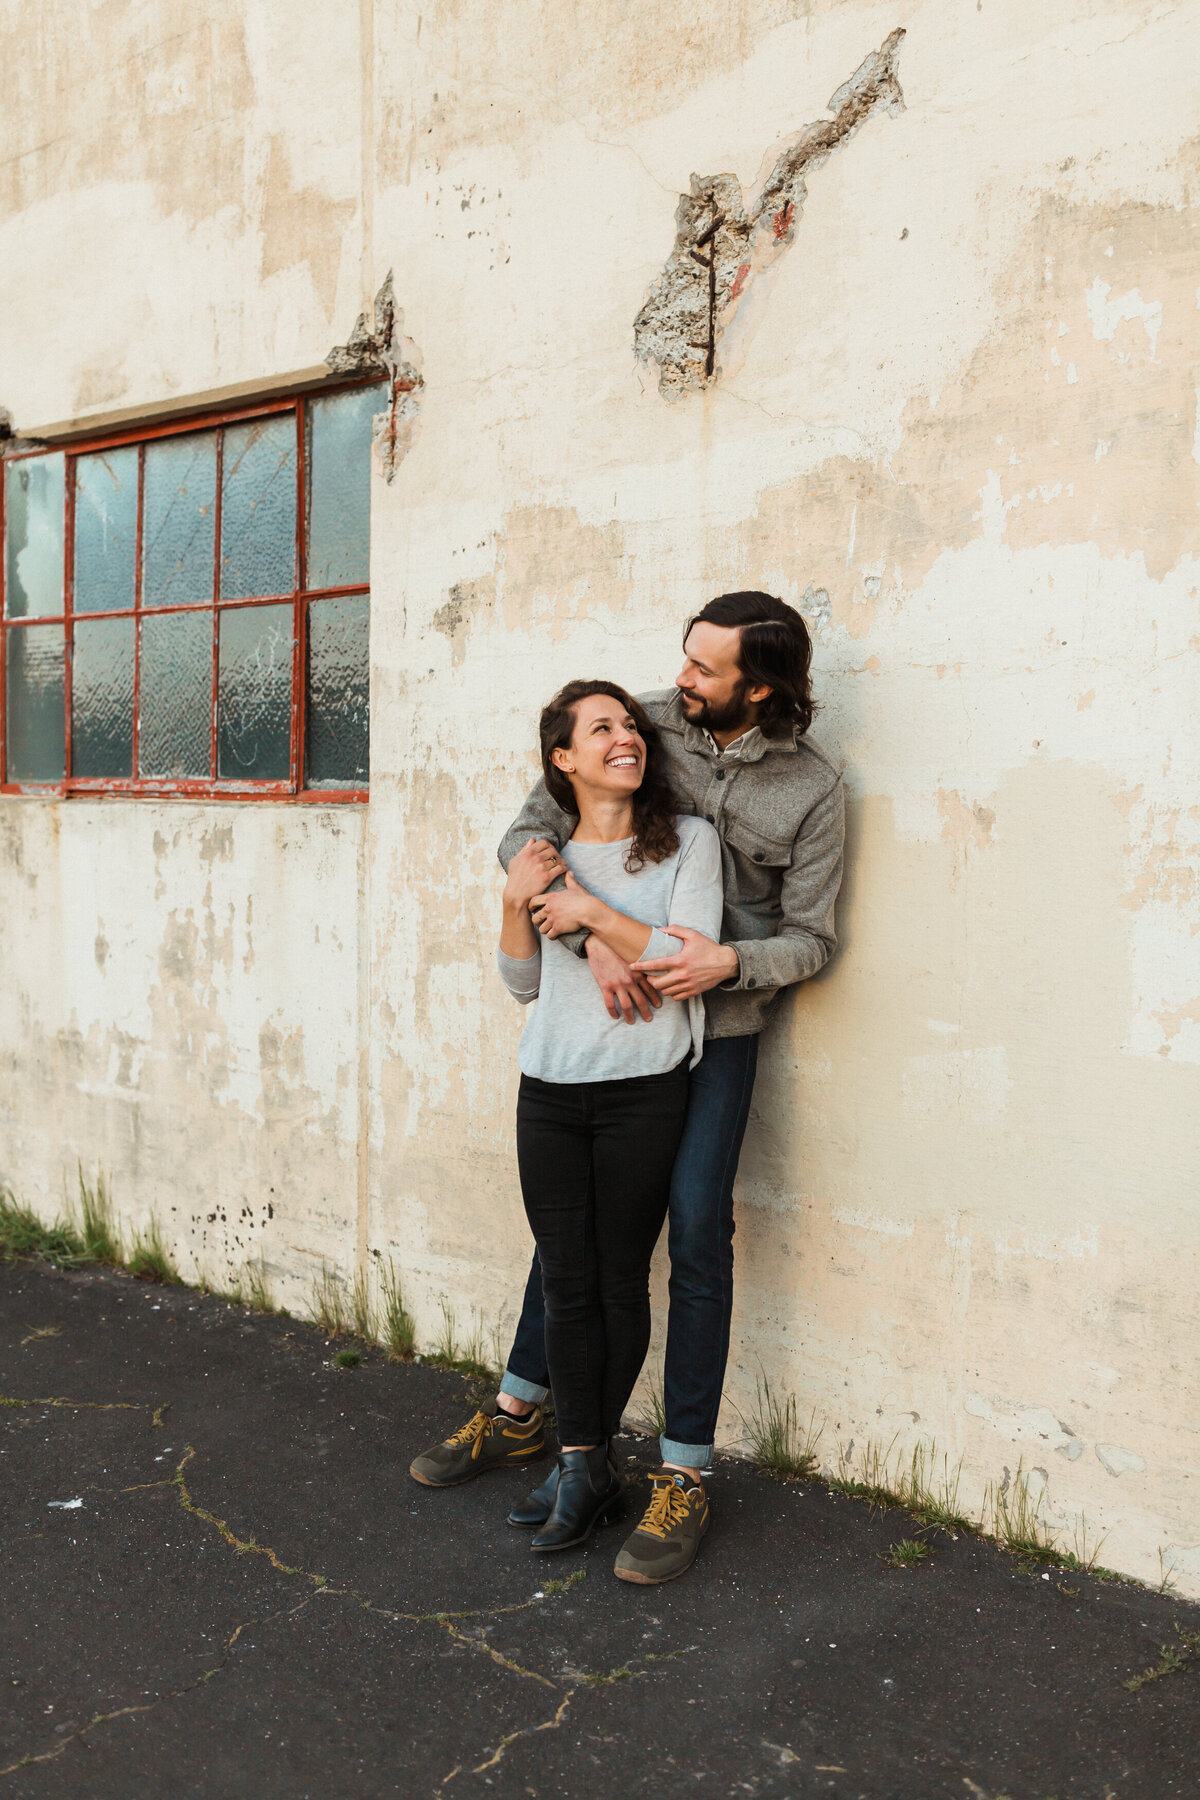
[
  {"x": 571, "y": 909},
  {"x": 530, "y": 872}
]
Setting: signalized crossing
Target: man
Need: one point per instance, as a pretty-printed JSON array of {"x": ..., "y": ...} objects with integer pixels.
[{"x": 735, "y": 733}]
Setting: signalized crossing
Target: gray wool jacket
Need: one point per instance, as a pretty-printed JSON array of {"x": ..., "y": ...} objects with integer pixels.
[{"x": 777, "y": 805}]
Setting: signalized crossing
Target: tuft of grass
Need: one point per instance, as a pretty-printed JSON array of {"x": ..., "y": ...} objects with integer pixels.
[
  {"x": 40, "y": 1332},
  {"x": 560, "y": 1587},
  {"x": 363, "y": 1307},
  {"x": 1166, "y": 1577},
  {"x": 874, "y": 1484},
  {"x": 347, "y": 1359},
  {"x": 97, "y": 1227},
  {"x": 932, "y": 1495},
  {"x": 469, "y": 1358},
  {"x": 1016, "y": 1523},
  {"x": 150, "y": 1260},
  {"x": 779, "y": 1445},
  {"x": 254, "y": 1286},
  {"x": 652, "y": 1407},
  {"x": 445, "y": 1350},
  {"x": 328, "y": 1303},
  {"x": 397, "y": 1330},
  {"x": 906, "y": 1553},
  {"x": 1171, "y": 1659},
  {"x": 1085, "y": 1552},
  {"x": 23, "y": 1234}
]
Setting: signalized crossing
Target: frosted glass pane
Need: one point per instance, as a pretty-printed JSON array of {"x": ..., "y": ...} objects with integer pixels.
[
  {"x": 254, "y": 694},
  {"x": 34, "y": 688},
  {"x": 102, "y": 698},
  {"x": 105, "y": 530},
  {"x": 338, "y": 711},
  {"x": 33, "y": 537},
  {"x": 258, "y": 508},
  {"x": 338, "y": 486},
  {"x": 178, "y": 507},
  {"x": 175, "y": 696}
]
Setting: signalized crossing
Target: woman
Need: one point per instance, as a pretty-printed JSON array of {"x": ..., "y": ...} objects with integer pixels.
[{"x": 600, "y": 1107}]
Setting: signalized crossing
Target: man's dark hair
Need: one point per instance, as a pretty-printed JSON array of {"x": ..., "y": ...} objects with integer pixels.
[{"x": 775, "y": 651}]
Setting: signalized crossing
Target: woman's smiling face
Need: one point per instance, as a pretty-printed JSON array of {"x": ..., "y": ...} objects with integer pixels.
[{"x": 607, "y": 753}]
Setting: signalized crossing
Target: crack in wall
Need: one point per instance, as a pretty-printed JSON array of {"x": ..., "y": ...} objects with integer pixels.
[
  {"x": 382, "y": 349},
  {"x": 725, "y": 239}
]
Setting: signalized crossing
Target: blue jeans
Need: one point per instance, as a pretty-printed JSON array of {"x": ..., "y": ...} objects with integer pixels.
[{"x": 700, "y": 1237}]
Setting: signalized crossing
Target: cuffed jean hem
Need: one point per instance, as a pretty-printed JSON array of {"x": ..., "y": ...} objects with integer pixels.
[
  {"x": 690, "y": 1456},
  {"x": 518, "y": 1389}
]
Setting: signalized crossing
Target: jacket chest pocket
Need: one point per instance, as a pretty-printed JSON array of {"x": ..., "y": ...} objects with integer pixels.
[{"x": 756, "y": 847}]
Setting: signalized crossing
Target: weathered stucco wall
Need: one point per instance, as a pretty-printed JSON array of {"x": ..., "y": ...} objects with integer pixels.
[{"x": 954, "y": 419}]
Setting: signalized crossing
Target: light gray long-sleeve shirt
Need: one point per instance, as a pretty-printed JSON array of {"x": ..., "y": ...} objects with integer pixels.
[
  {"x": 570, "y": 1036},
  {"x": 777, "y": 804}
]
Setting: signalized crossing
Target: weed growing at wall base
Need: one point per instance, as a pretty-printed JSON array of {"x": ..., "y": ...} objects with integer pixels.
[
  {"x": 397, "y": 1330},
  {"x": 781, "y": 1449},
  {"x": 97, "y": 1227},
  {"x": 150, "y": 1260},
  {"x": 23, "y": 1234},
  {"x": 328, "y": 1303}
]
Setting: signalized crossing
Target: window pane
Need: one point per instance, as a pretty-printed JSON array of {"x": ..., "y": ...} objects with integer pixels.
[
  {"x": 33, "y": 532},
  {"x": 175, "y": 695},
  {"x": 258, "y": 508},
  {"x": 105, "y": 530},
  {"x": 338, "y": 486},
  {"x": 34, "y": 696},
  {"x": 338, "y": 713},
  {"x": 102, "y": 698},
  {"x": 254, "y": 694},
  {"x": 178, "y": 510}
]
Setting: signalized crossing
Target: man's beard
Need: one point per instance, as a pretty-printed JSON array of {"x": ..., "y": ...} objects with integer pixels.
[{"x": 720, "y": 718}]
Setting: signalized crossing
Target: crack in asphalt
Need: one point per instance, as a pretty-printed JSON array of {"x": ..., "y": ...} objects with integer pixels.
[
  {"x": 187, "y": 1687},
  {"x": 450, "y": 1622}
]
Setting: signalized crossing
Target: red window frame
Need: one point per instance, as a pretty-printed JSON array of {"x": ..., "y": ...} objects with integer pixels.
[{"x": 194, "y": 787}]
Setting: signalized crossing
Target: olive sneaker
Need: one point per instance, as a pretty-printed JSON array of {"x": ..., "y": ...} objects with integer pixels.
[
  {"x": 491, "y": 1440},
  {"x": 666, "y": 1541}
]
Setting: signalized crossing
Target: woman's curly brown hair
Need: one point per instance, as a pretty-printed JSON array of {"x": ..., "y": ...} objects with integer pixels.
[{"x": 654, "y": 804}]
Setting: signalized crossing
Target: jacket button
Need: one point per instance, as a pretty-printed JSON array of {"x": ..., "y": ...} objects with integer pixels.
[
  {"x": 720, "y": 774},
  {"x": 751, "y": 982},
  {"x": 758, "y": 856},
  {"x": 710, "y": 818}
]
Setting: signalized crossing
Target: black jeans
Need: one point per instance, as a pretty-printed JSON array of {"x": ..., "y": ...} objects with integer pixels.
[
  {"x": 595, "y": 1160},
  {"x": 701, "y": 1237}
]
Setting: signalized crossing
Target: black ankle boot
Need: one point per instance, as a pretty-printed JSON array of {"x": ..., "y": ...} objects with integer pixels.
[
  {"x": 536, "y": 1508},
  {"x": 588, "y": 1492}
]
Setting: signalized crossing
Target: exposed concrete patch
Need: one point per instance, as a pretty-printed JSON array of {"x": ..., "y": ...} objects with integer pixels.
[
  {"x": 724, "y": 239},
  {"x": 1118, "y": 1461},
  {"x": 383, "y": 349}
]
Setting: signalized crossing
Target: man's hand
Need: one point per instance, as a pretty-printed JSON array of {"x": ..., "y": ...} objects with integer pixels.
[
  {"x": 700, "y": 965},
  {"x": 625, "y": 991},
  {"x": 572, "y": 908}
]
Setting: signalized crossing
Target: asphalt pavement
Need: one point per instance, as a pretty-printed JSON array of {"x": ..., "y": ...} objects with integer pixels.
[{"x": 217, "y": 1581}]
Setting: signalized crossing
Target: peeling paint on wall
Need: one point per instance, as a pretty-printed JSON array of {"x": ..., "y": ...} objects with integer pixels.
[
  {"x": 725, "y": 240},
  {"x": 378, "y": 349}
]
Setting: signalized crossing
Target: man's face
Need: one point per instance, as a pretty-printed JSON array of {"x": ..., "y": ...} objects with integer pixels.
[{"x": 716, "y": 695}]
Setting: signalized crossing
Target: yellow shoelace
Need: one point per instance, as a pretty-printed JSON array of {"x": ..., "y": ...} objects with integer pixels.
[
  {"x": 471, "y": 1430},
  {"x": 668, "y": 1508}
]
